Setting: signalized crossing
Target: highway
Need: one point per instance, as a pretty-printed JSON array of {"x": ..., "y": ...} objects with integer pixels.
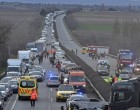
[
  {"x": 67, "y": 41},
  {"x": 47, "y": 95}
]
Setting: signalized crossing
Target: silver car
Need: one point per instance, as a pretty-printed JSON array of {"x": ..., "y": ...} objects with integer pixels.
[
  {"x": 125, "y": 75},
  {"x": 4, "y": 92},
  {"x": 73, "y": 97},
  {"x": 53, "y": 81}
]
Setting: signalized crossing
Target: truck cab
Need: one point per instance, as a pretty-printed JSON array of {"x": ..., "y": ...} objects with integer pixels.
[
  {"x": 125, "y": 58},
  {"x": 15, "y": 65},
  {"x": 77, "y": 79},
  {"x": 125, "y": 94}
]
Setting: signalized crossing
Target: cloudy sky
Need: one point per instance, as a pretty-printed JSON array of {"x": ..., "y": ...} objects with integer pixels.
[{"x": 86, "y": 2}]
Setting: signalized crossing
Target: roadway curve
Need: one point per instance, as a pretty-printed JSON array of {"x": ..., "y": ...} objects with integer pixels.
[
  {"x": 47, "y": 96},
  {"x": 67, "y": 41}
]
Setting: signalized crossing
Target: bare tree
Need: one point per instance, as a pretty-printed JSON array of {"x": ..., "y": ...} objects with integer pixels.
[
  {"x": 5, "y": 29},
  {"x": 116, "y": 27}
]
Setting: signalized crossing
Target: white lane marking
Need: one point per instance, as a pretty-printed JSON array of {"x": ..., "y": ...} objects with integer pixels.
[
  {"x": 14, "y": 103},
  {"x": 49, "y": 107},
  {"x": 51, "y": 99},
  {"x": 8, "y": 103},
  {"x": 51, "y": 89}
]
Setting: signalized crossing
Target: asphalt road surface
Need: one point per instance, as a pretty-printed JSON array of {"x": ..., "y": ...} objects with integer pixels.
[
  {"x": 67, "y": 41},
  {"x": 47, "y": 95}
]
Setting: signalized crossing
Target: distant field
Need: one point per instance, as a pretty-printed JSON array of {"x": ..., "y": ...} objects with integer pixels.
[
  {"x": 97, "y": 27},
  {"x": 26, "y": 26}
]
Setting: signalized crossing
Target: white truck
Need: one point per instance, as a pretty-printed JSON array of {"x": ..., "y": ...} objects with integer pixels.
[
  {"x": 41, "y": 46},
  {"x": 16, "y": 65},
  {"x": 25, "y": 55},
  {"x": 102, "y": 50}
]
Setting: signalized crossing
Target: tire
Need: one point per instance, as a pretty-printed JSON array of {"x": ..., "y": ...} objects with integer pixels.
[
  {"x": 19, "y": 98},
  {"x": 57, "y": 100}
]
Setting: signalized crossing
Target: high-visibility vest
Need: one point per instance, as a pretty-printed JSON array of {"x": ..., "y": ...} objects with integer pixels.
[
  {"x": 33, "y": 95},
  {"x": 119, "y": 78},
  {"x": 110, "y": 79}
]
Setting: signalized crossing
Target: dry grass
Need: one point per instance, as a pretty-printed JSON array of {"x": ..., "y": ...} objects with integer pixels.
[
  {"x": 97, "y": 28},
  {"x": 27, "y": 25}
]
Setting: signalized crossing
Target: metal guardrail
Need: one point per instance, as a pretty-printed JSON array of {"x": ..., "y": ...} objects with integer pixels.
[{"x": 94, "y": 88}]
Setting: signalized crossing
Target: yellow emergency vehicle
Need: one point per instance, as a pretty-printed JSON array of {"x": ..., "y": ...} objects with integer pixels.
[
  {"x": 84, "y": 50},
  {"x": 25, "y": 86}
]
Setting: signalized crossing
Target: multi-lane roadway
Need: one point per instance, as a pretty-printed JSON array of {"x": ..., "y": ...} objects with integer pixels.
[
  {"x": 47, "y": 95},
  {"x": 67, "y": 41}
]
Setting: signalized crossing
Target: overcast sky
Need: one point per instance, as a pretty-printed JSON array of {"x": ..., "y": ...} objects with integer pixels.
[{"x": 83, "y": 2}]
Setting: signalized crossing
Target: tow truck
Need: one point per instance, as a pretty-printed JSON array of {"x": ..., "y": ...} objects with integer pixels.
[
  {"x": 125, "y": 95},
  {"x": 99, "y": 50},
  {"x": 125, "y": 58}
]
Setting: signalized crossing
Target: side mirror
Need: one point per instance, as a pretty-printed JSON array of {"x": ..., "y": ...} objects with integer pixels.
[{"x": 56, "y": 89}]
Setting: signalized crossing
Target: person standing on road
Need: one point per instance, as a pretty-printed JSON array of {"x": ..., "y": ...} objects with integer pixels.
[
  {"x": 33, "y": 97},
  {"x": 47, "y": 54},
  {"x": 58, "y": 66}
]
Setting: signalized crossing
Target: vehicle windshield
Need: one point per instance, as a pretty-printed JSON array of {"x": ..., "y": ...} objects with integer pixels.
[
  {"x": 10, "y": 69},
  {"x": 138, "y": 61},
  {"x": 36, "y": 73},
  {"x": 2, "y": 88},
  {"x": 27, "y": 84},
  {"x": 77, "y": 97},
  {"x": 26, "y": 60},
  {"x": 5, "y": 80},
  {"x": 77, "y": 79},
  {"x": 13, "y": 82},
  {"x": 102, "y": 67},
  {"x": 54, "y": 78},
  {"x": 124, "y": 72},
  {"x": 37, "y": 69},
  {"x": 126, "y": 56},
  {"x": 34, "y": 51},
  {"x": 12, "y": 74},
  {"x": 65, "y": 88}
]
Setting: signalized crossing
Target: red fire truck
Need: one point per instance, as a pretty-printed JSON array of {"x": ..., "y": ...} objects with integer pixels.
[{"x": 125, "y": 58}]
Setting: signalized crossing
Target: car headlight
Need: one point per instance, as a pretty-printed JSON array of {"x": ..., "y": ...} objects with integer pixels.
[
  {"x": 0, "y": 103},
  {"x": 121, "y": 64},
  {"x": 4, "y": 93},
  {"x": 7, "y": 90},
  {"x": 137, "y": 69},
  {"x": 84, "y": 85}
]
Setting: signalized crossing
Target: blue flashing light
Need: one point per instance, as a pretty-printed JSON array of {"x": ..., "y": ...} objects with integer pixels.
[{"x": 80, "y": 93}]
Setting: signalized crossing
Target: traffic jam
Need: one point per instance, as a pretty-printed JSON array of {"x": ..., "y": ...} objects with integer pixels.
[{"x": 24, "y": 73}]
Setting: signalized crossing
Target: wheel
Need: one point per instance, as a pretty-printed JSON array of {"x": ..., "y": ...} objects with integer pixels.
[
  {"x": 19, "y": 98},
  {"x": 57, "y": 100}
]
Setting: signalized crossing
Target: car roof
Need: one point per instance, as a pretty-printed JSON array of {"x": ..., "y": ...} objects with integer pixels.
[{"x": 2, "y": 85}]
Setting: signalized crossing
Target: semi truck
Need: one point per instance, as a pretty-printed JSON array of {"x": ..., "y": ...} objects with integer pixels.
[
  {"x": 25, "y": 55},
  {"x": 41, "y": 46},
  {"x": 125, "y": 58},
  {"x": 16, "y": 65},
  {"x": 95, "y": 50},
  {"x": 30, "y": 45}
]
